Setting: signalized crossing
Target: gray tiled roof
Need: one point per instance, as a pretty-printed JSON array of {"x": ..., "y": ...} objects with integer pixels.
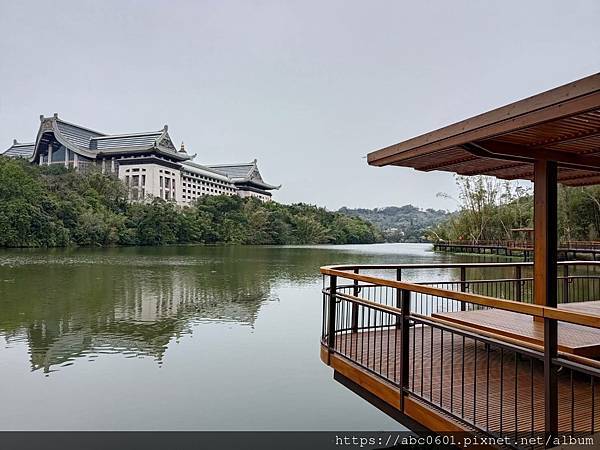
[
  {"x": 76, "y": 134},
  {"x": 125, "y": 140},
  {"x": 91, "y": 143},
  {"x": 235, "y": 170},
  {"x": 20, "y": 150},
  {"x": 243, "y": 173}
]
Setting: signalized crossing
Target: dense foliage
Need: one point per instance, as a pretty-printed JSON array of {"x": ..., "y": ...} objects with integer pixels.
[
  {"x": 401, "y": 224},
  {"x": 489, "y": 209},
  {"x": 50, "y": 206}
]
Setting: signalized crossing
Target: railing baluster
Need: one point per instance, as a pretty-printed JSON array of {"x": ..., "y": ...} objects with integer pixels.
[
  {"x": 550, "y": 378},
  {"x": 572, "y": 404},
  {"x": 441, "y": 365},
  {"x": 593, "y": 405},
  {"x": 474, "y": 381},
  {"x": 518, "y": 286},
  {"x": 331, "y": 328},
  {"x": 532, "y": 397},
  {"x": 431, "y": 363},
  {"x": 452, "y": 372},
  {"x": 414, "y": 344},
  {"x": 501, "y": 388},
  {"x": 398, "y": 296},
  {"x": 404, "y": 343},
  {"x": 487, "y": 388},
  {"x": 355, "y": 292},
  {"x": 565, "y": 290},
  {"x": 516, "y": 394},
  {"x": 462, "y": 380}
]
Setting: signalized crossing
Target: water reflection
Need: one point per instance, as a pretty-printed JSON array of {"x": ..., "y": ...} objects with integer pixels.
[
  {"x": 76, "y": 305},
  {"x": 71, "y": 305}
]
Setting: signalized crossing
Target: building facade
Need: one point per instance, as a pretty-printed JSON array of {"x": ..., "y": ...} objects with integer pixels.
[{"x": 148, "y": 163}]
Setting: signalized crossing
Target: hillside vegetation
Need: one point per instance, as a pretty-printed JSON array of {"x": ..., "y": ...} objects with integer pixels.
[
  {"x": 401, "y": 224},
  {"x": 51, "y": 206},
  {"x": 489, "y": 209}
]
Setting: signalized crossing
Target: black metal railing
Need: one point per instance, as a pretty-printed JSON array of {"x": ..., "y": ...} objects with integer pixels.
[{"x": 497, "y": 384}]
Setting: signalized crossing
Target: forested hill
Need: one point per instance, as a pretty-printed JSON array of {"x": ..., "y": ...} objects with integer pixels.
[
  {"x": 50, "y": 206},
  {"x": 400, "y": 224}
]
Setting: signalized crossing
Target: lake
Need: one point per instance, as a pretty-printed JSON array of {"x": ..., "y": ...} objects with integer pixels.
[{"x": 177, "y": 338}]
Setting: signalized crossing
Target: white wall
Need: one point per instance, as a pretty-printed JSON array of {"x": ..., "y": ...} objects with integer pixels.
[
  {"x": 160, "y": 181},
  {"x": 244, "y": 194}
]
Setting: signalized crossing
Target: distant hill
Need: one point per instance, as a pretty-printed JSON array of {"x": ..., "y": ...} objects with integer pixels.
[{"x": 400, "y": 224}]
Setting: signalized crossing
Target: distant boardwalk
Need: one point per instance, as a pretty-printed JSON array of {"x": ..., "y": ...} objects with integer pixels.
[{"x": 566, "y": 250}]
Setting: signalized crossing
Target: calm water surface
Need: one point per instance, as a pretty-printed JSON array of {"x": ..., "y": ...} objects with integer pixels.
[{"x": 177, "y": 338}]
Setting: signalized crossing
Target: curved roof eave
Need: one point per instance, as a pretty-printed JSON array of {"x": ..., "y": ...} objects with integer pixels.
[
  {"x": 258, "y": 183},
  {"x": 48, "y": 125},
  {"x": 172, "y": 154},
  {"x": 152, "y": 148}
]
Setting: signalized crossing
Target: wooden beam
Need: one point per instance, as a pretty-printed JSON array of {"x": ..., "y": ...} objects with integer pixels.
[
  {"x": 513, "y": 165},
  {"x": 523, "y": 154},
  {"x": 446, "y": 165}
]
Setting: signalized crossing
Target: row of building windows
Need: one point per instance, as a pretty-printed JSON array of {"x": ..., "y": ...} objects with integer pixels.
[
  {"x": 195, "y": 185},
  {"x": 165, "y": 187}
]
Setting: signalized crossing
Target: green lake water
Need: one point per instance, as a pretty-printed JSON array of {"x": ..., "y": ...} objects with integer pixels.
[{"x": 177, "y": 338}]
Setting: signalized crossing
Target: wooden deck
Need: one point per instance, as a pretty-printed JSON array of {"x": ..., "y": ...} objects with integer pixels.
[
  {"x": 575, "y": 339},
  {"x": 509, "y": 249},
  {"x": 490, "y": 388}
]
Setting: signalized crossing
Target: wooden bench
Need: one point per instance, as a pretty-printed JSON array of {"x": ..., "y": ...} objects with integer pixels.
[{"x": 574, "y": 339}]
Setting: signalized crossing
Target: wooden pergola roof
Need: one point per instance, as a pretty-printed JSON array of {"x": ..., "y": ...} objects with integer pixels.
[{"x": 561, "y": 125}]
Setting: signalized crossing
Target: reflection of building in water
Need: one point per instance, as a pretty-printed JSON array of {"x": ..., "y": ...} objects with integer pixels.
[
  {"x": 138, "y": 320},
  {"x": 154, "y": 299}
]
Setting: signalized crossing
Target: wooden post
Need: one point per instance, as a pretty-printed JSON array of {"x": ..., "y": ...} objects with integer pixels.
[
  {"x": 331, "y": 327},
  {"x": 565, "y": 297},
  {"x": 404, "y": 344},
  {"x": 463, "y": 285},
  {"x": 544, "y": 278},
  {"x": 544, "y": 267},
  {"x": 355, "y": 292},
  {"x": 518, "y": 286}
]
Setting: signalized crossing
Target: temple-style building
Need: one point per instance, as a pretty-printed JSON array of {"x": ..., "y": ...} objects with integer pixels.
[{"x": 149, "y": 163}]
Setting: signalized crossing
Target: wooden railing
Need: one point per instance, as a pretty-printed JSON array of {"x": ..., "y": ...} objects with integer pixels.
[
  {"x": 521, "y": 244},
  {"x": 401, "y": 331}
]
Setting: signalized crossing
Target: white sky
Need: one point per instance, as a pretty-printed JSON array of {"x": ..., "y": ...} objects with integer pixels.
[{"x": 307, "y": 87}]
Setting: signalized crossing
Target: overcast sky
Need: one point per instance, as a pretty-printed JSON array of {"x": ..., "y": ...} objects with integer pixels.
[{"x": 307, "y": 87}]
